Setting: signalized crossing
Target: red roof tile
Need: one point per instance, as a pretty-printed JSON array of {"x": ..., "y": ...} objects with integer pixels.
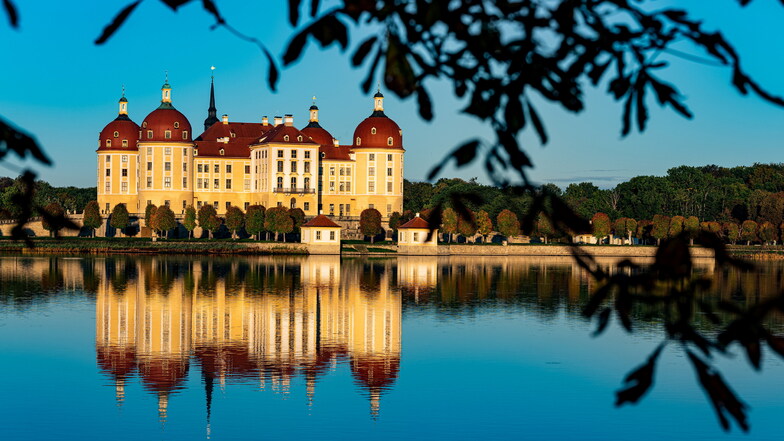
[
  {"x": 278, "y": 135},
  {"x": 416, "y": 222},
  {"x": 321, "y": 221},
  {"x": 237, "y": 146},
  {"x": 126, "y": 130},
  {"x": 340, "y": 153},
  {"x": 318, "y": 134},
  {"x": 384, "y": 127},
  {"x": 162, "y": 119}
]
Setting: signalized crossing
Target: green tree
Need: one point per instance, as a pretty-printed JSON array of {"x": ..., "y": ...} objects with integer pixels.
[
  {"x": 508, "y": 224},
  {"x": 449, "y": 222},
  {"x": 644, "y": 227},
  {"x": 543, "y": 228},
  {"x": 484, "y": 224},
  {"x": 625, "y": 226},
  {"x": 711, "y": 227},
  {"x": 149, "y": 213},
  {"x": 394, "y": 222},
  {"x": 189, "y": 222},
  {"x": 208, "y": 219},
  {"x": 254, "y": 220},
  {"x": 676, "y": 226},
  {"x": 298, "y": 218},
  {"x": 53, "y": 209},
  {"x": 278, "y": 221},
  {"x": 732, "y": 231},
  {"x": 661, "y": 227},
  {"x": 164, "y": 221},
  {"x": 767, "y": 233},
  {"x": 466, "y": 226},
  {"x": 92, "y": 217},
  {"x": 748, "y": 231},
  {"x": 120, "y": 218},
  {"x": 692, "y": 228},
  {"x": 600, "y": 226},
  {"x": 370, "y": 223},
  {"x": 235, "y": 220}
]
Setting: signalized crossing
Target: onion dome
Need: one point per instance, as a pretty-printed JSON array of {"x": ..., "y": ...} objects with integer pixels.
[
  {"x": 120, "y": 134},
  {"x": 166, "y": 123},
  {"x": 378, "y": 130},
  {"x": 314, "y": 130}
]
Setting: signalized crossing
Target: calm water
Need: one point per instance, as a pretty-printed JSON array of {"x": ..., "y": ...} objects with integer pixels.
[{"x": 324, "y": 348}]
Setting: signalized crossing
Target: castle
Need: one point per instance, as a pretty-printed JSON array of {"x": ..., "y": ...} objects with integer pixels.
[{"x": 269, "y": 163}]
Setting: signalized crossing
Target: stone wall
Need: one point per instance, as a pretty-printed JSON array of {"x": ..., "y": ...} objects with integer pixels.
[{"x": 541, "y": 250}]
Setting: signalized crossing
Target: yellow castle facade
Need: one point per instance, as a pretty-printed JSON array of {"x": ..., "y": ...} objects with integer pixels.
[{"x": 269, "y": 163}]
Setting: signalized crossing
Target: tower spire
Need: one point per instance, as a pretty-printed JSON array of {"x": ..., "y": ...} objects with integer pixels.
[
  {"x": 212, "y": 112},
  {"x": 123, "y": 102},
  {"x": 166, "y": 99}
]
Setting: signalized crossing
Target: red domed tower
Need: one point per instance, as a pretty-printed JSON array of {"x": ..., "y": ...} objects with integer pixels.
[
  {"x": 166, "y": 153},
  {"x": 378, "y": 145},
  {"x": 118, "y": 161}
]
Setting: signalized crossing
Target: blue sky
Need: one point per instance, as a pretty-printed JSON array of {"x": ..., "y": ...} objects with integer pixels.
[{"x": 56, "y": 84}]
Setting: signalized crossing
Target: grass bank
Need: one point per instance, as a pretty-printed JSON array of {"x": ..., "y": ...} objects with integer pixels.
[{"x": 132, "y": 245}]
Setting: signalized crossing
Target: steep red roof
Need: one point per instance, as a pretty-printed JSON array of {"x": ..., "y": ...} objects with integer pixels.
[
  {"x": 279, "y": 134},
  {"x": 385, "y": 128},
  {"x": 340, "y": 153},
  {"x": 321, "y": 221},
  {"x": 239, "y": 135},
  {"x": 318, "y": 134},
  {"x": 126, "y": 130},
  {"x": 165, "y": 118},
  {"x": 416, "y": 222}
]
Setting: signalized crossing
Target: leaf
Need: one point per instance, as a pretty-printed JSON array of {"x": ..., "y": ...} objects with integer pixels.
[
  {"x": 13, "y": 15},
  {"x": 118, "y": 21},
  {"x": 174, "y": 4},
  {"x": 425, "y": 106},
  {"x": 604, "y": 320},
  {"x": 295, "y": 47},
  {"x": 642, "y": 110},
  {"x": 465, "y": 153},
  {"x": 627, "y": 115},
  {"x": 272, "y": 74},
  {"x": 212, "y": 8},
  {"x": 362, "y": 51},
  {"x": 398, "y": 74},
  {"x": 368, "y": 83},
  {"x": 328, "y": 29},
  {"x": 722, "y": 397},
  {"x": 514, "y": 114},
  {"x": 294, "y": 12},
  {"x": 19, "y": 142},
  {"x": 537, "y": 123},
  {"x": 639, "y": 380},
  {"x": 314, "y": 6}
]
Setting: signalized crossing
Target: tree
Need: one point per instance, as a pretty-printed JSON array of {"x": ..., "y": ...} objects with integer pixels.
[
  {"x": 394, "y": 222},
  {"x": 732, "y": 230},
  {"x": 692, "y": 228},
  {"x": 508, "y": 224},
  {"x": 208, "y": 219},
  {"x": 254, "y": 220},
  {"x": 297, "y": 217},
  {"x": 748, "y": 231},
  {"x": 92, "y": 217},
  {"x": 189, "y": 222},
  {"x": 466, "y": 225},
  {"x": 449, "y": 222},
  {"x": 164, "y": 220},
  {"x": 712, "y": 227},
  {"x": 661, "y": 227},
  {"x": 484, "y": 224},
  {"x": 625, "y": 226},
  {"x": 278, "y": 221},
  {"x": 149, "y": 214},
  {"x": 767, "y": 233},
  {"x": 543, "y": 228},
  {"x": 676, "y": 226},
  {"x": 120, "y": 218},
  {"x": 644, "y": 227},
  {"x": 235, "y": 220},
  {"x": 370, "y": 223},
  {"x": 53, "y": 209},
  {"x": 600, "y": 224}
]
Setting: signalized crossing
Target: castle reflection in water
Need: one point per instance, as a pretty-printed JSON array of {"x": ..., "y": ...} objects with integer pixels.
[{"x": 274, "y": 321}]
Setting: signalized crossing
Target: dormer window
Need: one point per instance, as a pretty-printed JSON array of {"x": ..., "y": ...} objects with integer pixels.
[
  {"x": 144, "y": 124},
  {"x": 359, "y": 141},
  {"x": 373, "y": 131},
  {"x": 149, "y": 134},
  {"x": 222, "y": 152},
  {"x": 299, "y": 138},
  {"x": 389, "y": 141},
  {"x": 323, "y": 155},
  {"x": 195, "y": 153},
  {"x": 125, "y": 143},
  {"x": 167, "y": 134},
  {"x": 116, "y": 134},
  {"x": 285, "y": 137},
  {"x": 176, "y": 125},
  {"x": 108, "y": 143},
  {"x": 233, "y": 135},
  {"x": 184, "y": 134}
]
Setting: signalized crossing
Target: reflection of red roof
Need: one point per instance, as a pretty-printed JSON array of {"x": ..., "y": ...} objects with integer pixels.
[
  {"x": 416, "y": 222},
  {"x": 117, "y": 361},
  {"x": 162, "y": 119},
  {"x": 232, "y": 359},
  {"x": 279, "y": 134},
  {"x": 126, "y": 130},
  {"x": 340, "y": 153},
  {"x": 376, "y": 372},
  {"x": 163, "y": 374},
  {"x": 238, "y": 136},
  {"x": 384, "y": 127},
  {"x": 321, "y": 221}
]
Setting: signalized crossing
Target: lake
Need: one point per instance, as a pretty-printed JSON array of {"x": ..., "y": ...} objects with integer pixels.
[{"x": 185, "y": 348}]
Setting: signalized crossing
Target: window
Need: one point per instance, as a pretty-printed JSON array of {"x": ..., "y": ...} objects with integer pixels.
[
  {"x": 167, "y": 182},
  {"x": 371, "y": 171},
  {"x": 331, "y": 209},
  {"x": 149, "y": 166},
  {"x": 348, "y": 186},
  {"x": 348, "y": 210},
  {"x": 306, "y": 206},
  {"x": 372, "y": 157},
  {"x": 332, "y": 171},
  {"x": 167, "y": 151},
  {"x": 389, "y": 209},
  {"x": 125, "y": 143},
  {"x": 199, "y": 168},
  {"x": 247, "y": 169},
  {"x": 293, "y": 183},
  {"x": 373, "y": 131},
  {"x": 359, "y": 141},
  {"x": 167, "y": 166},
  {"x": 228, "y": 168},
  {"x": 184, "y": 182},
  {"x": 184, "y": 166},
  {"x": 293, "y": 154},
  {"x": 389, "y": 187},
  {"x": 389, "y": 141},
  {"x": 342, "y": 186},
  {"x": 184, "y": 205},
  {"x": 176, "y": 125},
  {"x": 348, "y": 171},
  {"x": 228, "y": 204},
  {"x": 371, "y": 187},
  {"x": 332, "y": 186},
  {"x": 307, "y": 154},
  {"x": 215, "y": 204},
  {"x": 108, "y": 187},
  {"x": 228, "y": 184},
  {"x": 280, "y": 166},
  {"x": 185, "y": 152},
  {"x": 293, "y": 203},
  {"x": 247, "y": 185},
  {"x": 149, "y": 181},
  {"x": 108, "y": 158},
  {"x": 222, "y": 152},
  {"x": 280, "y": 182},
  {"x": 340, "y": 209},
  {"x": 108, "y": 172},
  {"x": 293, "y": 166},
  {"x": 216, "y": 183},
  {"x": 108, "y": 143},
  {"x": 286, "y": 138},
  {"x": 318, "y": 234},
  {"x": 125, "y": 172},
  {"x": 217, "y": 168},
  {"x": 389, "y": 158},
  {"x": 299, "y": 138},
  {"x": 198, "y": 204},
  {"x": 416, "y": 236},
  {"x": 116, "y": 134},
  {"x": 280, "y": 153},
  {"x": 247, "y": 204},
  {"x": 332, "y": 236},
  {"x": 184, "y": 134},
  {"x": 149, "y": 134},
  {"x": 107, "y": 207},
  {"x": 198, "y": 183},
  {"x": 389, "y": 171},
  {"x": 307, "y": 166},
  {"x": 306, "y": 183},
  {"x": 342, "y": 171},
  {"x": 124, "y": 187},
  {"x": 149, "y": 151},
  {"x": 124, "y": 158},
  {"x": 167, "y": 134}
]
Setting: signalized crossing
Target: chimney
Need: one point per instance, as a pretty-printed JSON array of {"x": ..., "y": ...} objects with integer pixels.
[
  {"x": 289, "y": 120},
  {"x": 278, "y": 120},
  {"x": 225, "y": 119},
  {"x": 335, "y": 142},
  {"x": 264, "y": 121}
]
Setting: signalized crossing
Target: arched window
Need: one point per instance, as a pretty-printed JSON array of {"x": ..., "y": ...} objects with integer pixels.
[
  {"x": 359, "y": 140},
  {"x": 299, "y": 138},
  {"x": 285, "y": 137},
  {"x": 280, "y": 182},
  {"x": 144, "y": 124},
  {"x": 125, "y": 143},
  {"x": 167, "y": 134},
  {"x": 184, "y": 134},
  {"x": 293, "y": 202},
  {"x": 293, "y": 183},
  {"x": 149, "y": 134},
  {"x": 108, "y": 143},
  {"x": 176, "y": 125},
  {"x": 373, "y": 131},
  {"x": 222, "y": 152},
  {"x": 116, "y": 134},
  {"x": 389, "y": 141}
]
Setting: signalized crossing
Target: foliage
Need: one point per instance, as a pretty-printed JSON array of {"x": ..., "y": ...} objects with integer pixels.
[
  {"x": 164, "y": 219},
  {"x": 370, "y": 223},
  {"x": 278, "y": 221},
  {"x": 149, "y": 214},
  {"x": 119, "y": 218},
  {"x": 235, "y": 219},
  {"x": 748, "y": 231},
  {"x": 449, "y": 222},
  {"x": 297, "y": 217},
  {"x": 601, "y": 225},
  {"x": 208, "y": 219},
  {"x": 625, "y": 226},
  {"x": 189, "y": 221},
  {"x": 691, "y": 225},
  {"x": 467, "y": 225},
  {"x": 676, "y": 226},
  {"x": 254, "y": 220},
  {"x": 508, "y": 224},
  {"x": 661, "y": 227},
  {"x": 484, "y": 225},
  {"x": 732, "y": 232},
  {"x": 644, "y": 228},
  {"x": 53, "y": 209},
  {"x": 712, "y": 227},
  {"x": 92, "y": 216},
  {"x": 394, "y": 221},
  {"x": 767, "y": 232},
  {"x": 544, "y": 228}
]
